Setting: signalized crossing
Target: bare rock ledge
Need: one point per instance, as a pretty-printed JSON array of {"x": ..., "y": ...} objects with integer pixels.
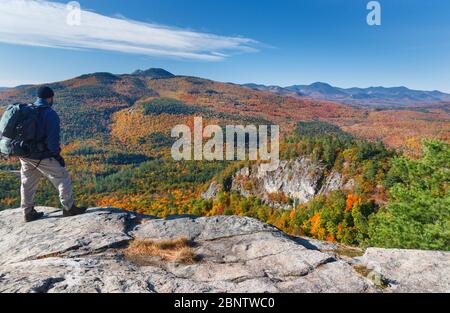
[{"x": 238, "y": 254}]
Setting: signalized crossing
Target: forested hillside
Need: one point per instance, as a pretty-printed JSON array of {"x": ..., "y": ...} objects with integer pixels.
[{"x": 116, "y": 134}]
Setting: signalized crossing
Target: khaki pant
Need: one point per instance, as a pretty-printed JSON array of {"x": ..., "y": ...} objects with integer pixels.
[{"x": 31, "y": 173}]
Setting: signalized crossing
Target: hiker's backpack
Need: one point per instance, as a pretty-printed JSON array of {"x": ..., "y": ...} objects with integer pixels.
[{"x": 18, "y": 130}]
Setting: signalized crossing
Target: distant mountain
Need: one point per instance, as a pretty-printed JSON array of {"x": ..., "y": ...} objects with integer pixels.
[
  {"x": 86, "y": 103},
  {"x": 90, "y": 104},
  {"x": 317, "y": 90},
  {"x": 275, "y": 89},
  {"x": 154, "y": 73},
  {"x": 396, "y": 97},
  {"x": 3, "y": 89},
  {"x": 100, "y": 77}
]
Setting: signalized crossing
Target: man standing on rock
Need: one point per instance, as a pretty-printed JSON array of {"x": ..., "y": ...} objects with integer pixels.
[{"x": 47, "y": 162}]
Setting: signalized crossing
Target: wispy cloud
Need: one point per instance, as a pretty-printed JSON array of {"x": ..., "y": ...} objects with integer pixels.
[{"x": 44, "y": 23}]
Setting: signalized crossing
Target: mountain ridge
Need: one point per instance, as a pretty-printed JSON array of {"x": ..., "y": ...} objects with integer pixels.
[
  {"x": 370, "y": 97},
  {"x": 380, "y": 97},
  {"x": 101, "y": 95},
  {"x": 155, "y": 73}
]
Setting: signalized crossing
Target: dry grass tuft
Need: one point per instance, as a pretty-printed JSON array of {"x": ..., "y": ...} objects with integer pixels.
[
  {"x": 186, "y": 256},
  {"x": 349, "y": 251},
  {"x": 362, "y": 270},
  {"x": 49, "y": 256},
  {"x": 178, "y": 250}
]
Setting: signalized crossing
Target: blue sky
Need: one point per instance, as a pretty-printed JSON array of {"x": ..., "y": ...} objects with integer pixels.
[{"x": 270, "y": 42}]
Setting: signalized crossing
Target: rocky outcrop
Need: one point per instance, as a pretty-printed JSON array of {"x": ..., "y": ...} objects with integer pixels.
[
  {"x": 234, "y": 254},
  {"x": 410, "y": 270},
  {"x": 297, "y": 181},
  {"x": 212, "y": 191}
]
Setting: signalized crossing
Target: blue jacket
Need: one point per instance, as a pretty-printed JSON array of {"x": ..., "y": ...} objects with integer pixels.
[{"x": 48, "y": 130}]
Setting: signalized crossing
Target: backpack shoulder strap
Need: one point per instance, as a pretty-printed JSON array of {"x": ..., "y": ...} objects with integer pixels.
[{"x": 38, "y": 108}]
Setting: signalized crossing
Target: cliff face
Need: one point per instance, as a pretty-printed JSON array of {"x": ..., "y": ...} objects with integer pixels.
[
  {"x": 298, "y": 180},
  {"x": 94, "y": 253}
]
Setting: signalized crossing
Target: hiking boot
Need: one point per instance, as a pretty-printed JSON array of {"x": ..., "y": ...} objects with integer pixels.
[
  {"x": 32, "y": 216},
  {"x": 74, "y": 211}
]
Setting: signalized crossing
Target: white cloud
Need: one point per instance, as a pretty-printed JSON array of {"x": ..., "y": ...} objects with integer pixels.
[
  {"x": 44, "y": 23},
  {"x": 14, "y": 83}
]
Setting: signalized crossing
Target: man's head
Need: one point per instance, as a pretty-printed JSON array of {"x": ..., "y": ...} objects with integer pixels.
[{"x": 46, "y": 93}]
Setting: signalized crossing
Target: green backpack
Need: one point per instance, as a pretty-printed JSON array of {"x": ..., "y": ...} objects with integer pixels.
[{"x": 18, "y": 130}]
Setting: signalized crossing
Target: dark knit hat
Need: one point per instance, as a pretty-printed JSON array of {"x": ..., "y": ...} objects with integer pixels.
[{"x": 45, "y": 92}]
